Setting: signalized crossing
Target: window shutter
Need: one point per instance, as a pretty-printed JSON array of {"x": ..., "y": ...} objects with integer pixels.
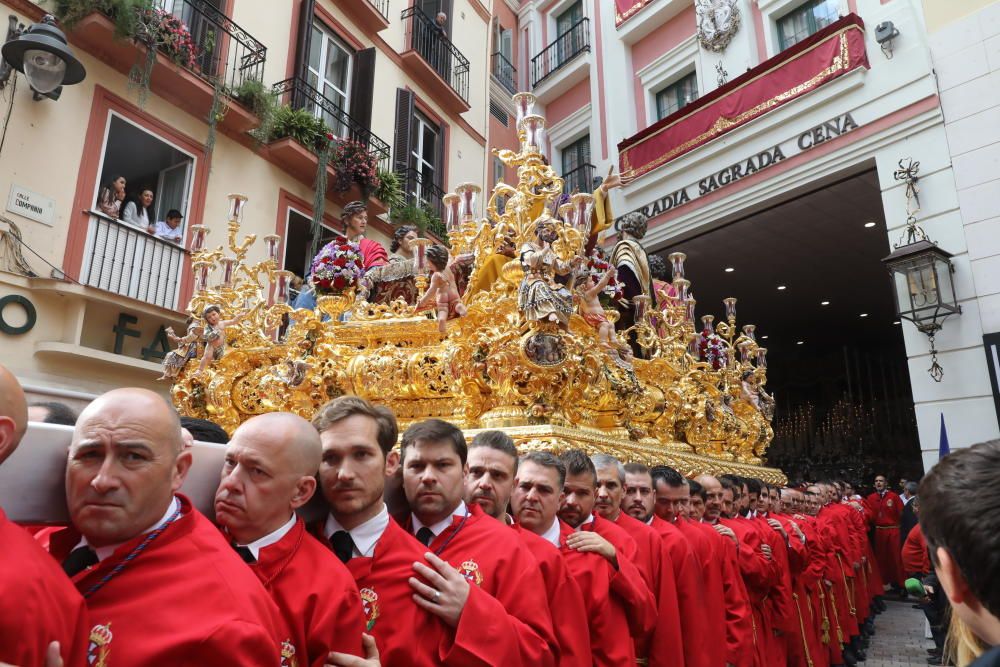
[
  {"x": 403, "y": 141},
  {"x": 307, "y": 8},
  {"x": 363, "y": 88}
]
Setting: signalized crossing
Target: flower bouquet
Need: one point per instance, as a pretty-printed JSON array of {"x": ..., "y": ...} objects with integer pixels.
[
  {"x": 170, "y": 34},
  {"x": 337, "y": 268},
  {"x": 596, "y": 267},
  {"x": 352, "y": 163}
]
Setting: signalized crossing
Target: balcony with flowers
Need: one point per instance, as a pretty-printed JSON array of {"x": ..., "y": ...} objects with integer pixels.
[
  {"x": 196, "y": 52},
  {"x": 307, "y": 129}
]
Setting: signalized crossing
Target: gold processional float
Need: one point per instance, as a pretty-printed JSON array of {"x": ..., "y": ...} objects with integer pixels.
[{"x": 522, "y": 359}]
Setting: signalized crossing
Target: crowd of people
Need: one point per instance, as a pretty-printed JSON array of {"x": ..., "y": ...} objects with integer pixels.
[
  {"x": 137, "y": 210},
  {"x": 441, "y": 551}
]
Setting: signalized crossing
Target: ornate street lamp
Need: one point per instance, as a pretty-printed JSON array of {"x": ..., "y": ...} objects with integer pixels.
[
  {"x": 921, "y": 274},
  {"x": 43, "y": 55}
]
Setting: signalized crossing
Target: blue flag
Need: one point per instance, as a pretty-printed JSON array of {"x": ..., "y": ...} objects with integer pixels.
[{"x": 943, "y": 449}]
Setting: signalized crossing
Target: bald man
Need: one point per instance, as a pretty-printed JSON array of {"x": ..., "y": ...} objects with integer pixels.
[
  {"x": 43, "y": 620},
  {"x": 270, "y": 471},
  {"x": 163, "y": 587}
]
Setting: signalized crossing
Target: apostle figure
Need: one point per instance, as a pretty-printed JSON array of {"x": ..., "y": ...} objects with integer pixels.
[
  {"x": 629, "y": 257},
  {"x": 397, "y": 279},
  {"x": 540, "y": 297}
]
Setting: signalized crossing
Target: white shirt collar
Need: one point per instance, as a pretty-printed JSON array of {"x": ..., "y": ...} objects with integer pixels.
[
  {"x": 649, "y": 521},
  {"x": 365, "y": 535},
  {"x": 589, "y": 519},
  {"x": 270, "y": 538},
  {"x": 108, "y": 549},
  {"x": 443, "y": 524},
  {"x": 553, "y": 533}
]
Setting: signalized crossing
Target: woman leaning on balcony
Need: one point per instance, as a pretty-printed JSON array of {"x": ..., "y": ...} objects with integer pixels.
[
  {"x": 137, "y": 211},
  {"x": 111, "y": 196}
]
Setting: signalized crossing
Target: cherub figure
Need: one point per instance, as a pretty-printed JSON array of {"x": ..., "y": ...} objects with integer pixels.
[
  {"x": 215, "y": 334},
  {"x": 443, "y": 288},
  {"x": 591, "y": 310},
  {"x": 187, "y": 349}
]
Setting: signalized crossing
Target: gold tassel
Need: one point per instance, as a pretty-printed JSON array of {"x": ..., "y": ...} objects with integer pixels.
[
  {"x": 825, "y": 637},
  {"x": 802, "y": 627}
]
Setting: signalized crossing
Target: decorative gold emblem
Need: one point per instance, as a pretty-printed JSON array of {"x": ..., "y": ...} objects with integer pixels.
[
  {"x": 288, "y": 658},
  {"x": 369, "y": 600},
  {"x": 470, "y": 570},
  {"x": 99, "y": 647}
]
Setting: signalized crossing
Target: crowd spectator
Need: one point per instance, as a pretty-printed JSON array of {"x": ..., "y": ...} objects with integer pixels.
[
  {"x": 111, "y": 196},
  {"x": 51, "y": 412},
  {"x": 908, "y": 519},
  {"x": 204, "y": 430},
  {"x": 960, "y": 519},
  {"x": 169, "y": 229},
  {"x": 136, "y": 212}
]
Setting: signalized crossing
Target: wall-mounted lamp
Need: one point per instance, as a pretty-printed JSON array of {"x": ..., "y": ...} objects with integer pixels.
[
  {"x": 885, "y": 32},
  {"x": 42, "y": 54}
]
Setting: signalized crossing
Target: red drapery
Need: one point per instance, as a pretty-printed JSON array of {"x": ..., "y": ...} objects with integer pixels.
[
  {"x": 830, "y": 53},
  {"x": 625, "y": 9}
]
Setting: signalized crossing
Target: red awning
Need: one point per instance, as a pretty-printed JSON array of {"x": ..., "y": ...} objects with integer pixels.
[
  {"x": 829, "y": 54},
  {"x": 626, "y": 9}
]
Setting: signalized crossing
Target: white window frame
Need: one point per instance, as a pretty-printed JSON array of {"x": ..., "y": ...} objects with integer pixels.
[
  {"x": 329, "y": 37},
  {"x": 570, "y": 129},
  {"x": 416, "y": 152},
  {"x": 772, "y": 10},
  {"x": 669, "y": 68},
  {"x": 550, "y": 20}
]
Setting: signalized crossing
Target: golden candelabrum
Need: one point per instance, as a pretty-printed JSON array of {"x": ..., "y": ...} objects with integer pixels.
[{"x": 549, "y": 384}]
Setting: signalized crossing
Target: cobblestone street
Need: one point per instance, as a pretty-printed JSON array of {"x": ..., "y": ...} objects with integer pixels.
[{"x": 899, "y": 638}]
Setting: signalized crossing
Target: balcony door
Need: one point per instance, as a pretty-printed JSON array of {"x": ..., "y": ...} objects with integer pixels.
[
  {"x": 329, "y": 70},
  {"x": 575, "y": 165},
  {"x": 205, "y": 32},
  {"x": 425, "y": 158},
  {"x": 570, "y": 40}
]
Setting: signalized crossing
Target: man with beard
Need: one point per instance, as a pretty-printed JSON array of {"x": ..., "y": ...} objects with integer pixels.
[
  {"x": 492, "y": 470},
  {"x": 56, "y": 629},
  {"x": 412, "y": 625},
  {"x": 163, "y": 586},
  {"x": 486, "y": 553},
  {"x": 696, "y": 504},
  {"x": 886, "y": 509},
  {"x": 664, "y": 645},
  {"x": 269, "y": 472},
  {"x": 535, "y": 502},
  {"x": 724, "y": 600}
]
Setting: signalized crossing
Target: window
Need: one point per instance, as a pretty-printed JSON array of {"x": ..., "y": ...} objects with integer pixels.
[
  {"x": 424, "y": 157},
  {"x": 805, "y": 20},
  {"x": 298, "y": 242},
  {"x": 329, "y": 72},
  {"x": 576, "y": 168},
  {"x": 498, "y": 169},
  {"x": 570, "y": 41},
  {"x": 676, "y": 95}
]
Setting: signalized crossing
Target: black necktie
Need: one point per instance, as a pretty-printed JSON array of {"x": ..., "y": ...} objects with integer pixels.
[
  {"x": 425, "y": 535},
  {"x": 245, "y": 554},
  {"x": 343, "y": 545},
  {"x": 79, "y": 559}
]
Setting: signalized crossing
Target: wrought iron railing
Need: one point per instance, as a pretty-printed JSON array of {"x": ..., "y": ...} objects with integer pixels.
[
  {"x": 382, "y": 6},
  {"x": 504, "y": 71},
  {"x": 421, "y": 189},
  {"x": 580, "y": 179},
  {"x": 125, "y": 260},
  {"x": 566, "y": 46},
  {"x": 429, "y": 40},
  {"x": 300, "y": 95},
  {"x": 222, "y": 48}
]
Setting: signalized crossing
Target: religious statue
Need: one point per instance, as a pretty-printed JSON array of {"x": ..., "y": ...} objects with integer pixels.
[
  {"x": 629, "y": 258},
  {"x": 397, "y": 279},
  {"x": 717, "y": 21},
  {"x": 215, "y": 334},
  {"x": 187, "y": 349},
  {"x": 443, "y": 288},
  {"x": 540, "y": 297}
]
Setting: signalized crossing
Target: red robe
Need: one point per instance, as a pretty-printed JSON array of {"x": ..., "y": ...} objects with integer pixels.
[
  {"x": 811, "y": 579},
  {"x": 39, "y": 604},
  {"x": 887, "y": 510},
  {"x": 566, "y": 605},
  {"x": 610, "y": 644},
  {"x": 916, "y": 560},
  {"x": 406, "y": 634},
  {"x": 665, "y": 645},
  {"x": 316, "y": 595},
  {"x": 186, "y": 599},
  {"x": 797, "y": 636},
  {"x": 373, "y": 252},
  {"x": 779, "y": 606},
  {"x": 492, "y": 557},
  {"x": 759, "y": 575}
]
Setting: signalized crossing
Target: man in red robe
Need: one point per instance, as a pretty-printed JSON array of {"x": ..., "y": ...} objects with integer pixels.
[
  {"x": 355, "y": 218},
  {"x": 162, "y": 585},
  {"x": 485, "y": 552},
  {"x": 466, "y": 626},
  {"x": 493, "y": 464},
  {"x": 665, "y": 645},
  {"x": 594, "y": 534},
  {"x": 269, "y": 472},
  {"x": 42, "y": 616},
  {"x": 535, "y": 502},
  {"x": 887, "y": 510}
]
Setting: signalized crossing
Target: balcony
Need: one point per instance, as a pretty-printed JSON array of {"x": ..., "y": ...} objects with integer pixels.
[
  {"x": 434, "y": 61},
  {"x": 126, "y": 260},
  {"x": 371, "y": 15},
  {"x": 420, "y": 188},
  {"x": 504, "y": 72},
  {"x": 580, "y": 179},
  {"x": 645, "y": 16},
  {"x": 222, "y": 52},
  {"x": 560, "y": 65},
  {"x": 302, "y": 161}
]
